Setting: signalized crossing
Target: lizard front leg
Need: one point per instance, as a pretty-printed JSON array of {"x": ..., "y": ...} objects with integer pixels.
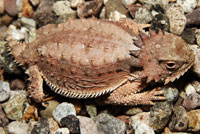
[
  {"x": 128, "y": 94},
  {"x": 36, "y": 84}
]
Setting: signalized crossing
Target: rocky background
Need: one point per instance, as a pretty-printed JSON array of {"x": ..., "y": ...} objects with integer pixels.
[{"x": 180, "y": 113}]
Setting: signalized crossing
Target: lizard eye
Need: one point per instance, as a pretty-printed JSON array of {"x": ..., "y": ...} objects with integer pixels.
[{"x": 170, "y": 65}]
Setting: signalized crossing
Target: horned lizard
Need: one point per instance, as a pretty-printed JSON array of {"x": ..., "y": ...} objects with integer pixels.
[{"x": 87, "y": 58}]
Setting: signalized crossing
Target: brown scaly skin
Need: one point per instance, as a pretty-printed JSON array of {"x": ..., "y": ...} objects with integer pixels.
[{"x": 88, "y": 58}]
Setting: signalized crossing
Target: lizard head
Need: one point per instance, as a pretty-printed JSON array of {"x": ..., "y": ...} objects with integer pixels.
[{"x": 164, "y": 57}]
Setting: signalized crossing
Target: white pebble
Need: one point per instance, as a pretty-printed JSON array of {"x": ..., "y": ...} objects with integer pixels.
[
  {"x": 188, "y": 5},
  {"x": 62, "y": 110},
  {"x": 17, "y": 127}
]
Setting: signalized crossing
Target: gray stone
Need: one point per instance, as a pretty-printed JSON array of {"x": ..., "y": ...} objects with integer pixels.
[
  {"x": 171, "y": 93},
  {"x": 189, "y": 35},
  {"x": 62, "y": 8},
  {"x": 28, "y": 22},
  {"x": 187, "y": 5},
  {"x": 62, "y": 110},
  {"x": 107, "y": 124},
  {"x": 3, "y": 119},
  {"x": 44, "y": 13},
  {"x": 179, "y": 120},
  {"x": 87, "y": 125},
  {"x": 142, "y": 128},
  {"x": 4, "y": 91},
  {"x": 14, "y": 107},
  {"x": 41, "y": 127},
  {"x": 72, "y": 123},
  {"x": 160, "y": 114},
  {"x": 143, "y": 16},
  {"x": 193, "y": 18},
  {"x": 192, "y": 101},
  {"x": 177, "y": 19},
  {"x": 17, "y": 127}
]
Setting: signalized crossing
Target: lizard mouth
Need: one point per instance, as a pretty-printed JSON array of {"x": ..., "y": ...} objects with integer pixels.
[{"x": 177, "y": 75}]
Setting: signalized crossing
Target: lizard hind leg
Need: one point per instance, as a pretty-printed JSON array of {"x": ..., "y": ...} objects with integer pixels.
[
  {"x": 128, "y": 95},
  {"x": 35, "y": 86}
]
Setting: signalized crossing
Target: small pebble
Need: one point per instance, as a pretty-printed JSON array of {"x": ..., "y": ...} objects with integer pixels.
[
  {"x": 63, "y": 110},
  {"x": 141, "y": 128},
  {"x": 3, "y": 119},
  {"x": 177, "y": 19},
  {"x": 30, "y": 113},
  {"x": 160, "y": 21},
  {"x": 197, "y": 36},
  {"x": 193, "y": 18},
  {"x": 3, "y": 30},
  {"x": 171, "y": 93},
  {"x": 14, "y": 107},
  {"x": 17, "y": 127},
  {"x": 143, "y": 16},
  {"x": 90, "y": 8},
  {"x": 72, "y": 123},
  {"x": 160, "y": 114},
  {"x": 62, "y": 8},
  {"x": 17, "y": 84},
  {"x": 140, "y": 123},
  {"x": 133, "y": 9},
  {"x": 17, "y": 34},
  {"x": 47, "y": 111},
  {"x": 192, "y": 101},
  {"x": 28, "y": 22},
  {"x": 189, "y": 35},
  {"x": 35, "y": 2},
  {"x": 53, "y": 125},
  {"x": 11, "y": 7},
  {"x": 107, "y": 124},
  {"x": 5, "y": 20},
  {"x": 76, "y": 3},
  {"x": 41, "y": 127},
  {"x": 179, "y": 120},
  {"x": 128, "y": 2},
  {"x": 91, "y": 110},
  {"x": 2, "y": 9},
  {"x": 194, "y": 120},
  {"x": 62, "y": 131},
  {"x": 2, "y": 131},
  {"x": 115, "y": 10},
  {"x": 87, "y": 125},
  {"x": 4, "y": 91},
  {"x": 189, "y": 89},
  {"x": 196, "y": 66},
  {"x": 44, "y": 13},
  {"x": 187, "y": 5},
  {"x": 132, "y": 111},
  {"x": 196, "y": 85}
]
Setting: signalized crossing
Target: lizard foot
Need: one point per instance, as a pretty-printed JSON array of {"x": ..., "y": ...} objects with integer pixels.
[{"x": 153, "y": 95}]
